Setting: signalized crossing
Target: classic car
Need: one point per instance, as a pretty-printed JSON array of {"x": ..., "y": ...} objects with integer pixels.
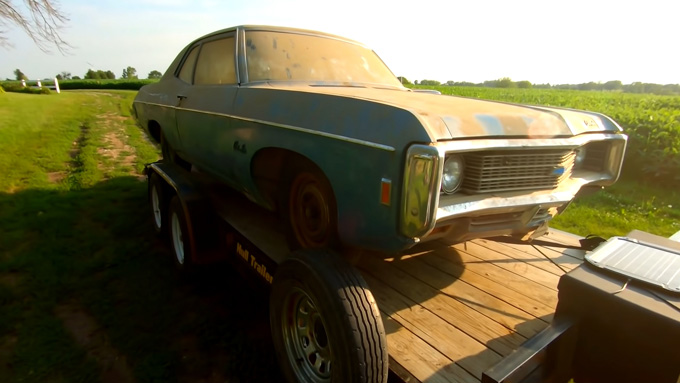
[{"x": 316, "y": 127}]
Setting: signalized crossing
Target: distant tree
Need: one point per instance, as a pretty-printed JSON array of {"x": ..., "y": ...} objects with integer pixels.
[
  {"x": 129, "y": 73},
  {"x": 405, "y": 81},
  {"x": 99, "y": 75},
  {"x": 506, "y": 82},
  {"x": 66, "y": 75},
  {"x": 75, "y": 78},
  {"x": 20, "y": 75},
  {"x": 589, "y": 86},
  {"x": 416, "y": 82},
  {"x": 156, "y": 74},
  {"x": 41, "y": 21},
  {"x": 59, "y": 77},
  {"x": 524, "y": 84},
  {"x": 430, "y": 82},
  {"x": 613, "y": 85}
]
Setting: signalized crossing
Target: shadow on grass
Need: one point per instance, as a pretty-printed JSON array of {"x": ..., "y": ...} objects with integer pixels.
[{"x": 95, "y": 248}]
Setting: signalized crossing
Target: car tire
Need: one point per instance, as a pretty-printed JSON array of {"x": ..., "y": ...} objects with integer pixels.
[
  {"x": 308, "y": 209},
  {"x": 325, "y": 323},
  {"x": 158, "y": 204},
  {"x": 178, "y": 233}
]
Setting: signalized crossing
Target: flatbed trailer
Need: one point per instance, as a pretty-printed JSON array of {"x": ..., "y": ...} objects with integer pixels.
[{"x": 478, "y": 311}]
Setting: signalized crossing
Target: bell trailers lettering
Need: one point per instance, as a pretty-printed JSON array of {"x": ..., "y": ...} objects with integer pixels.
[{"x": 252, "y": 261}]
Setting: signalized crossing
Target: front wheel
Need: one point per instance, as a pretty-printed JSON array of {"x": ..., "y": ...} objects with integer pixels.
[
  {"x": 325, "y": 322},
  {"x": 308, "y": 208}
]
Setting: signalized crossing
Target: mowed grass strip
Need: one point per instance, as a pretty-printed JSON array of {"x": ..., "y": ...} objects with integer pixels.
[{"x": 87, "y": 293}]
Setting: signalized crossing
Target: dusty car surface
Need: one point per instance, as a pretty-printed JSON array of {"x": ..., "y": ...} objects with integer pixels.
[{"x": 316, "y": 127}]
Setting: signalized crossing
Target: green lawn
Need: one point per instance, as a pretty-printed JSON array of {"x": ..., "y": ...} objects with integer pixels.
[{"x": 86, "y": 291}]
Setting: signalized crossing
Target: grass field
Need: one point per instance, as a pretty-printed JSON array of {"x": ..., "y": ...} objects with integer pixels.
[{"x": 88, "y": 294}]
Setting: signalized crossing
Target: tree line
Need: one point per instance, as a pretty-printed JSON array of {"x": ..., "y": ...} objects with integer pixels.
[
  {"x": 129, "y": 73},
  {"x": 614, "y": 86}
]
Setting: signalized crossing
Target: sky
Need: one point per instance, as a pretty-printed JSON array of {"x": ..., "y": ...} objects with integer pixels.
[{"x": 557, "y": 42}]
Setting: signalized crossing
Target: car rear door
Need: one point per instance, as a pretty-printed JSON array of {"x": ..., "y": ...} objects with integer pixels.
[{"x": 205, "y": 106}]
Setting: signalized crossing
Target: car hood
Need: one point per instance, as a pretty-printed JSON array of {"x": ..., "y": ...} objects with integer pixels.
[{"x": 451, "y": 117}]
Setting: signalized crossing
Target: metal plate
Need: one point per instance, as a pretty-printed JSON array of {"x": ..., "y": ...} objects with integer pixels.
[{"x": 642, "y": 261}]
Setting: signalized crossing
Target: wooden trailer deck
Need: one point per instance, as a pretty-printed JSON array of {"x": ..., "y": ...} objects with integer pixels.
[{"x": 451, "y": 311}]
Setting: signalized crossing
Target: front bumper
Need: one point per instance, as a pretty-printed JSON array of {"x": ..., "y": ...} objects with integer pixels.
[{"x": 427, "y": 214}]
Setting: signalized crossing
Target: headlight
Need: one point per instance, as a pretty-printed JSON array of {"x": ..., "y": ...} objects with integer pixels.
[
  {"x": 580, "y": 157},
  {"x": 453, "y": 174}
]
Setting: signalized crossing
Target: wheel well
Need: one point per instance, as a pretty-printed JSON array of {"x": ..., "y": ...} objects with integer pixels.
[
  {"x": 267, "y": 169},
  {"x": 155, "y": 130}
]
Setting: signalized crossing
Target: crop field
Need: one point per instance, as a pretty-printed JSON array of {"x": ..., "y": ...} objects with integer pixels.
[
  {"x": 87, "y": 293},
  {"x": 647, "y": 197}
]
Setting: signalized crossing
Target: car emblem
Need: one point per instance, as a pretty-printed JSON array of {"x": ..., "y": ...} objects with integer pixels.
[{"x": 557, "y": 171}]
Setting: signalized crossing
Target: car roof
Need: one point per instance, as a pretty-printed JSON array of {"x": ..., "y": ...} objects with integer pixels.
[{"x": 277, "y": 29}]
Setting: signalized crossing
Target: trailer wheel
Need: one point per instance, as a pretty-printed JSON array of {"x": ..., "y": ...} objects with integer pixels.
[
  {"x": 179, "y": 237},
  {"x": 159, "y": 206},
  {"x": 325, "y": 322},
  {"x": 309, "y": 209}
]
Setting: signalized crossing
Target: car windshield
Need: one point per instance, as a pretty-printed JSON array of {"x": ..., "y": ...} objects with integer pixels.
[{"x": 279, "y": 56}]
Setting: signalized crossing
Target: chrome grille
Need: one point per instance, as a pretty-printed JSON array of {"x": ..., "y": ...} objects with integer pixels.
[
  {"x": 507, "y": 170},
  {"x": 596, "y": 155}
]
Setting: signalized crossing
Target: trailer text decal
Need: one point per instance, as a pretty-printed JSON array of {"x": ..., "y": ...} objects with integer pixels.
[{"x": 252, "y": 261}]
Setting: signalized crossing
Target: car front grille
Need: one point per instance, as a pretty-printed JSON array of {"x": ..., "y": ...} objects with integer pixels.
[{"x": 510, "y": 170}]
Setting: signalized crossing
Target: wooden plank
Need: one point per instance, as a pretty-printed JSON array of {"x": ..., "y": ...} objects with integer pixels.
[
  {"x": 534, "y": 255},
  {"x": 477, "y": 254},
  {"x": 523, "y": 284},
  {"x": 476, "y": 325},
  {"x": 470, "y": 354},
  {"x": 562, "y": 237},
  {"x": 420, "y": 359},
  {"x": 452, "y": 285},
  {"x": 519, "y": 300}
]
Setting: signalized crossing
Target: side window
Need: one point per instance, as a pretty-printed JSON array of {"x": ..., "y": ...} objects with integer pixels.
[
  {"x": 187, "y": 71},
  {"x": 216, "y": 63}
]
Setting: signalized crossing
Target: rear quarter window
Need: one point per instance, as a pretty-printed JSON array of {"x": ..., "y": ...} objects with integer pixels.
[{"x": 187, "y": 72}]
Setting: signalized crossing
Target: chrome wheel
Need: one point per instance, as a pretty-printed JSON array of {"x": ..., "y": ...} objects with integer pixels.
[
  {"x": 177, "y": 235},
  {"x": 305, "y": 338}
]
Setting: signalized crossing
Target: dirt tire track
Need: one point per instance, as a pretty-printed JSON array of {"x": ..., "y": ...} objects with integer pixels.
[{"x": 116, "y": 147}]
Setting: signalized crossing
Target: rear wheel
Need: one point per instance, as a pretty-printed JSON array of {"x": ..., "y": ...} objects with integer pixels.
[
  {"x": 179, "y": 235},
  {"x": 325, "y": 322},
  {"x": 308, "y": 208},
  {"x": 159, "y": 208}
]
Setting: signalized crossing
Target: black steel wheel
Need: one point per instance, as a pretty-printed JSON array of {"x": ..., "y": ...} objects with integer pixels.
[
  {"x": 308, "y": 209},
  {"x": 325, "y": 322}
]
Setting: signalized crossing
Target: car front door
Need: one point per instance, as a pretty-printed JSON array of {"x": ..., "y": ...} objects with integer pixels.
[{"x": 205, "y": 106}]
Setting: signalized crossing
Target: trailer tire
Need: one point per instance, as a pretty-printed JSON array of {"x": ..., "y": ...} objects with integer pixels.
[
  {"x": 179, "y": 235},
  {"x": 159, "y": 204},
  {"x": 325, "y": 323}
]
